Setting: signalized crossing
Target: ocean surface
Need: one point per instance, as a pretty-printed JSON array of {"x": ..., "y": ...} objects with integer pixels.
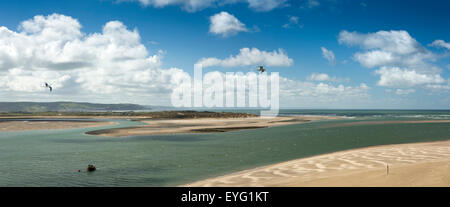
[{"x": 53, "y": 157}]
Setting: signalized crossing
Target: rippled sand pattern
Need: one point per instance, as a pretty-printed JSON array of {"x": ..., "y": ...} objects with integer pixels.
[{"x": 342, "y": 165}]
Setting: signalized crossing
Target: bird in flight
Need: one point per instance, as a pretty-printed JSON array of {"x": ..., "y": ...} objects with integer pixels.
[
  {"x": 49, "y": 87},
  {"x": 261, "y": 69}
]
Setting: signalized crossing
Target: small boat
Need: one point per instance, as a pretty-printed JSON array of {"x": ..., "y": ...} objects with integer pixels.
[{"x": 91, "y": 168}]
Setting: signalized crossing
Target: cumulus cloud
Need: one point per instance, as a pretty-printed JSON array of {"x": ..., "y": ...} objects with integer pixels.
[
  {"x": 53, "y": 49},
  {"x": 400, "y": 91},
  {"x": 21, "y": 80},
  {"x": 312, "y": 3},
  {"x": 302, "y": 93},
  {"x": 404, "y": 91},
  {"x": 375, "y": 58},
  {"x": 293, "y": 21},
  {"x": 226, "y": 25},
  {"x": 319, "y": 77},
  {"x": 113, "y": 66},
  {"x": 319, "y": 90},
  {"x": 329, "y": 55},
  {"x": 398, "y": 42},
  {"x": 187, "y": 5},
  {"x": 439, "y": 87},
  {"x": 404, "y": 78},
  {"x": 321, "y": 94},
  {"x": 250, "y": 57},
  {"x": 440, "y": 44},
  {"x": 402, "y": 61},
  {"x": 265, "y": 5},
  {"x": 323, "y": 77},
  {"x": 196, "y": 5}
]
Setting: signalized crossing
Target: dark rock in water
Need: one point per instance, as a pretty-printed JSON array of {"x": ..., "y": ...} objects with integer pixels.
[{"x": 91, "y": 168}]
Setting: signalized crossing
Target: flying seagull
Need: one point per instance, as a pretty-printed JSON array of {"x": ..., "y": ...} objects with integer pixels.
[
  {"x": 261, "y": 69},
  {"x": 49, "y": 87}
]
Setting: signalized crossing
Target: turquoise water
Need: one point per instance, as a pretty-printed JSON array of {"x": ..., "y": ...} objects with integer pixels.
[{"x": 53, "y": 157}]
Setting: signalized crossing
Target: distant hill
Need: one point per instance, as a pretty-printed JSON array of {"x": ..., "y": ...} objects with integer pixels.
[{"x": 66, "y": 107}]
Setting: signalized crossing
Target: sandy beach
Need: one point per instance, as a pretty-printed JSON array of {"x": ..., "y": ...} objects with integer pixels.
[
  {"x": 418, "y": 164},
  {"x": 203, "y": 125},
  {"x": 46, "y": 125}
]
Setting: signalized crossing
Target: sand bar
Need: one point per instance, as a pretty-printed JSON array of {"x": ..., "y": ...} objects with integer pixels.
[
  {"x": 200, "y": 125},
  {"x": 47, "y": 125},
  {"x": 418, "y": 164}
]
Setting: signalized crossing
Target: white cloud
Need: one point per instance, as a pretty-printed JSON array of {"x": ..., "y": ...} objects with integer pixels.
[
  {"x": 397, "y": 42},
  {"x": 400, "y": 91},
  {"x": 323, "y": 77},
  {"x": 306, "y": 93},
  {"x": 250, "y": 57},
  {"x": 188, "y": 5},
  {"x": 375, "y": 58},
  {"x": 196, "y": 5},
  {"x": 404, "y": 78},
  {"x": 96, "y": 66},
  {"x": 319, "y": 90},
  {"x": 440, "y": 44},
  {"x": 439, "y": 87},
  {"x": 113, "y": 66},
  {"x": 226, "y": 25},
  {"x": 329, "y": 55},
  {"x": 321, "y": 94},
  {"x": 17, "y": 79},
  {"x": 313, "y": 3},
  {"x": 293, "y": 21},
  {"x": 319, "y": 77},
  {"x": 265, "y": 5},
  {"x": 402, "y": 61},
  {"x": 301, "y": 93},
  {"x": 404, "y": 91},
  {"x": 299, "y": 89}
]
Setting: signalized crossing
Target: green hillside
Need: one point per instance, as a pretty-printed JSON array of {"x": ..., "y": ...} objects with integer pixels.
[{"x": 65, "y": 107}]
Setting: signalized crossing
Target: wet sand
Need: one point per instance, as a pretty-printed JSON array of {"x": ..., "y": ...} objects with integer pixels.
[
  {"x": 204, "y": 125},
  {"x": 419, "y": 164},
  {"x": 47, "y": 125}
]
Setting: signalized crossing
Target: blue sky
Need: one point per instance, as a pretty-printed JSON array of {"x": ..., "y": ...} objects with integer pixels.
[{"x": 417, "y": 78}]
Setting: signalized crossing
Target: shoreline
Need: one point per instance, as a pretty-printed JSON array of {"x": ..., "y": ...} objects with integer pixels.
[
  {"x": 205, "y": 125},
  {"x": 354, "y": 166},
  {"x": 411, "y": 164},
  {"x": 19, "y": 125},
  {"x": 188, "y": 122}
]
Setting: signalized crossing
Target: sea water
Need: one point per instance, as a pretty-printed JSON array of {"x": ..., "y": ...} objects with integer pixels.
[{"x": 53, "y": 157}]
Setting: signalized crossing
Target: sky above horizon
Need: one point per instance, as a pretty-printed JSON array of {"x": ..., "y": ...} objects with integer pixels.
[{"x": 348, "y": 54}]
